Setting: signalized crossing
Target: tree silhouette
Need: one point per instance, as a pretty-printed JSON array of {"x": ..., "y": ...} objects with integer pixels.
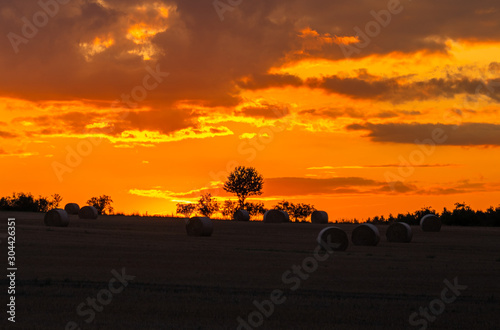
[
  {"x": 102, "y": 204},
  {"x": 298, "y": 211},
  {"x": 255, "y": 209},
  {"x": 228, "y": 208},
  {"x": 207, "y": 205},
  {"x": 26, "y": 202},
  {"x": 185, "y": 209},
  {"x": 56, "y": 200},
  {"x": 243, "y": 182}
]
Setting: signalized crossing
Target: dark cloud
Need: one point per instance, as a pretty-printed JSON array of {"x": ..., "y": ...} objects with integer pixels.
[
  {"x": 263, "y": 81},
  {"x": 416, "y": 165},
  {"x": 398, "y": 187},
  {"x": 267, "y": 111},
  {"x": 461, "y": 187},
  {"x": 207, "y": 58},
  {"x": 8, "y": 135},
  {"x": 203, "y": 55},
  {"x": 367, "y": 86},
  {"x": 412, "y": 113},
  {"x": 396, "y": 90},
  {"x": 292, "y": 186},
  {"x": 354, "y": 87},
  {"x": 420, "y": 25},
  {"x": 165, "y": 122},
  {"x": 446, "y": 189},
  {"x": 73, "y": 122},
  {"x": 466, "y": 134},
  {"x": 334, "y": 113}
]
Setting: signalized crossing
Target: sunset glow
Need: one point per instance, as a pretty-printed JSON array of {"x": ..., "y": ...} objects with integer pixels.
[{"x": 154, "y": 102}]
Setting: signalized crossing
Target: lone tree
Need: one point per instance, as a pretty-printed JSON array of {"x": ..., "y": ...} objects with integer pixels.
[{"x": 243, "y": 182}]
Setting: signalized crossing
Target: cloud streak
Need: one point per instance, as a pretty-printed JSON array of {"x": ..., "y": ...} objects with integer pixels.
[{"x": 466, "y": 134}]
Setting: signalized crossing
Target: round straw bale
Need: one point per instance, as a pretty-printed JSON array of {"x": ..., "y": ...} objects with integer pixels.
[
  {"x": 319, "y": 217},
  {"x": 276, "y": 216},
  {"x": 365, "y": 234},
  {"x": 72, "y": 208},
  {"x": 399, "y": 232},
  {"x": 430, "y": 222},
  {"x": 88, "y": 212},
  {"x": 199, "y": 226},
  {"x": 56, "y": 218},
  {"x": 241, "y": 215},
  {"x": 333, "y": 238}
]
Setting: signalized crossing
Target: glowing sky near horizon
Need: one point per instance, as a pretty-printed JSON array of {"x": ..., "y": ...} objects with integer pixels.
[{"x": 153, "y": 102}]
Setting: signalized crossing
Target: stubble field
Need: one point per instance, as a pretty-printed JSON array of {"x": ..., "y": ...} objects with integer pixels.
[{"x": 179, "y": 282}]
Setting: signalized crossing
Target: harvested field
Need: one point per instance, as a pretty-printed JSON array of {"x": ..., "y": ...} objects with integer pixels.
[{"x": 184, "y": 282}]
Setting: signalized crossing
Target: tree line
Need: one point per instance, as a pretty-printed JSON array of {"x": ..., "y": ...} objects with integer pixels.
[
  {"x": 461, "y": 215},
  {"x": 245, "y": 182},
  {"x": 26, "y": 202},
  {"x": 208, "y": 206},
  {"x": 29, "y": 203}
]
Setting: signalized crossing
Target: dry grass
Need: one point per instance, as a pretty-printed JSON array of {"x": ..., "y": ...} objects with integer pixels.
[{"x": 183, "y": 283}]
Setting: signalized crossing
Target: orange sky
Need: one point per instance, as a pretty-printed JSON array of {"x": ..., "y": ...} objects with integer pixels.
[{"x": 360, "y": 110}]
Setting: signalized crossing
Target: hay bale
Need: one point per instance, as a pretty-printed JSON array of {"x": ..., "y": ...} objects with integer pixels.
[
  {"x": 199, "y": 226},
  {"x": 241, "y": 215},
  {"x": 88, "y": 212},
  {"x": 319, "y": 217},
  {"x": 276, "y": 216},
  {"x": 334, "y": 238},
  {"x": 365, "y": 234},
  {"x": 72, "y": 208},
  {"x": 56, "y": 218},
  {"x": 430, "y": 223},
  {"x": 399, "y": 232}
]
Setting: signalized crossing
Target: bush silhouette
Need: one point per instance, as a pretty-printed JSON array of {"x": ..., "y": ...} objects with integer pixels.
[
  {"x": 102, "y": 204},
  {"x": 26, "y": 202}
]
